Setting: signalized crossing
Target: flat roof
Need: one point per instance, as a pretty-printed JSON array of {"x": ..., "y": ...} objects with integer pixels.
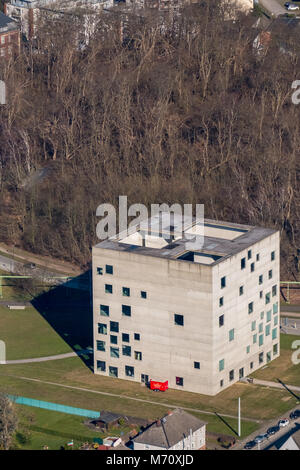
[{"x": 156, "y": 237}]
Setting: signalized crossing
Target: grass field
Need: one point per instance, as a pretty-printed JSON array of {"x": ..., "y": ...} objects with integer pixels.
[
  {"x": 283, "y": 367},
  {"x": 27, "y": 334}
]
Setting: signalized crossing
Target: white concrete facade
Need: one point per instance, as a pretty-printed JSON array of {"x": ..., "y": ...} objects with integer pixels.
[{"x": 203, "y": 351}]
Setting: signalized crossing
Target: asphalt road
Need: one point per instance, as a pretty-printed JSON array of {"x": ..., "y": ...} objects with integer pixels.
[{"x": 272, "y": 439}]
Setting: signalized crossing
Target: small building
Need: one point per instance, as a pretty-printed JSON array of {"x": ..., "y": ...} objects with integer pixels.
[
  {"x": 9, "y": 36},
  {"x": 177, "y": 430},
  {"x": 107, "y": 420}
]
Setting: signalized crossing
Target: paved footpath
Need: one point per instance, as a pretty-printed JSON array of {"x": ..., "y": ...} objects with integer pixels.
[{"x": 46, "y": 358}]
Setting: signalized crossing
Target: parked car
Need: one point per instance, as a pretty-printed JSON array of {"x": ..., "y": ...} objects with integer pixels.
[
  {"x": 250, "y": 445},
  {"x": 260, "y": 438},
  {"x": 283, "y": 422},
  {"x": 295, "y": 414},
  {"x": 291, "y": 6},
  {"x": 273, "y": 430},
  {"x": 30, "y": 265}
]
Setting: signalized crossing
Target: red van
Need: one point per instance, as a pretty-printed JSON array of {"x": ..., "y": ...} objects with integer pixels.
[{"x": 159, "y": 386}]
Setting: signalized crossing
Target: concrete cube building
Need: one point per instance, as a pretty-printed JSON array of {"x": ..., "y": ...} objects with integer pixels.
[{"x": 201, "y": 319}]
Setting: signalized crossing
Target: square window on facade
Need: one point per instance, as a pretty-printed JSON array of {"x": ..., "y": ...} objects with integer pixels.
[
  {"x": 114, "y": 352},
  {"x": 99, "y": 271},
  {"x": 223, "y": 282},
  {"x": 113, "y": 371},
  {"x": 231, "y": 375},
  {"x": 125, "y": 337},
  {"x": 274, "y": 290},
  {"x": 247, "y": 349},
  {"x": 260, "y": 340},
  {"x": 137, "y": 336},
  {"x": 241, "y": 373},
  {"x": 241, "y": 290},
  {"x": 109, "y": 269},
  {"x": 243, "y": 263},
  {"x": 231, "y": 335},
  {"x": 144, "y": 378},
  {"x": 129, "y": 371},
  {"x": 275, "y": 307},
  {"x": 137, "y": 355},
  {"x": 272, "y": 255},
  {"x": 178, "y": 320},
  {"x": 179, "y": 381},
  {"x": 276, "y": 320},
  {"x": 260, "y": 279},
  {"x": 253, "y": 325},
  {"x": 275, "y": 349},
  {"x": 126, "y": 310},
  {"x": 108, "y": 289},
  {"x": 261, "y": 358},
  {"x": 250, "y": 307},
  {"x": 221, "y": 383},
  {"x": 113, "y": 339},
  {"x": 252, "y": 267},
  {"x": 101, "y": 366},
  {"x": 268, "y": 329},
  {"x": 221, "y": 320},
  {"x": 104, "y": 310},
  {"x": 221, "y": 301},
  {"x": 102, "y": 329},
  {"x": 100, "y": 345},
  {"x": 269, "y": 315},
  {"x": 143, "y": 294},
  {"x": 249, "y": 254},
  {"x": 126, "y": 350},
  {"x": 268, "y": 298},
  {"x": 262, "y": 314},
  {"x": 221, "y": 365},
  {"x": 114, "y": 326},
  {"x": 196, "y": 365},
  {"x": 126, "y": 291},
  {"x": 254, "y": 338},
  {"x": 274, "y": 333},
  {"x": 260, "y": 327},
  {"x": 269, "y": 356},
  {"x": 257, "y": 257},
  {"x": 251, "y": 365},
  {"x": 270, "y": 274}
]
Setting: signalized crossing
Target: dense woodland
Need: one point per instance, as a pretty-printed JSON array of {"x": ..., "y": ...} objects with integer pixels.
[{"x": 159, "y": 109}]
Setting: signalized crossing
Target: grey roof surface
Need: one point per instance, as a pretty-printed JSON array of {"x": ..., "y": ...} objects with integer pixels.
[
  {"x": 108, "y": 417},
  {"x": 215, "y": 246},
  {"x": 170, "y": 430},
  {"x": 6, "y": 23}
]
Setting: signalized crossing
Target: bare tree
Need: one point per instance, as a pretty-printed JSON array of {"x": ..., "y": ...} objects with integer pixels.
[{"x": 8, "y": 421}]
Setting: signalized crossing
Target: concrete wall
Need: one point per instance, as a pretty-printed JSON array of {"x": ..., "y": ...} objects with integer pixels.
[
  {"x": 235, "y": 310},
  {"x": 192, "y": 290},
  {"x": 173, "y": 287}
]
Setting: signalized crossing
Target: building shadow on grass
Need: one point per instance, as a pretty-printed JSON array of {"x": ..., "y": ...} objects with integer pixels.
[
  {"x": 226, "y": 423},
  {"x": 68, "y": 309},
  {"x": 288, "y": 389}
]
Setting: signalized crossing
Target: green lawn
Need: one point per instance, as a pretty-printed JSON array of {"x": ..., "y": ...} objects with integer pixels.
[
  {"x": 27, "y": 334},
  {"x": 282, "y": 368}
]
